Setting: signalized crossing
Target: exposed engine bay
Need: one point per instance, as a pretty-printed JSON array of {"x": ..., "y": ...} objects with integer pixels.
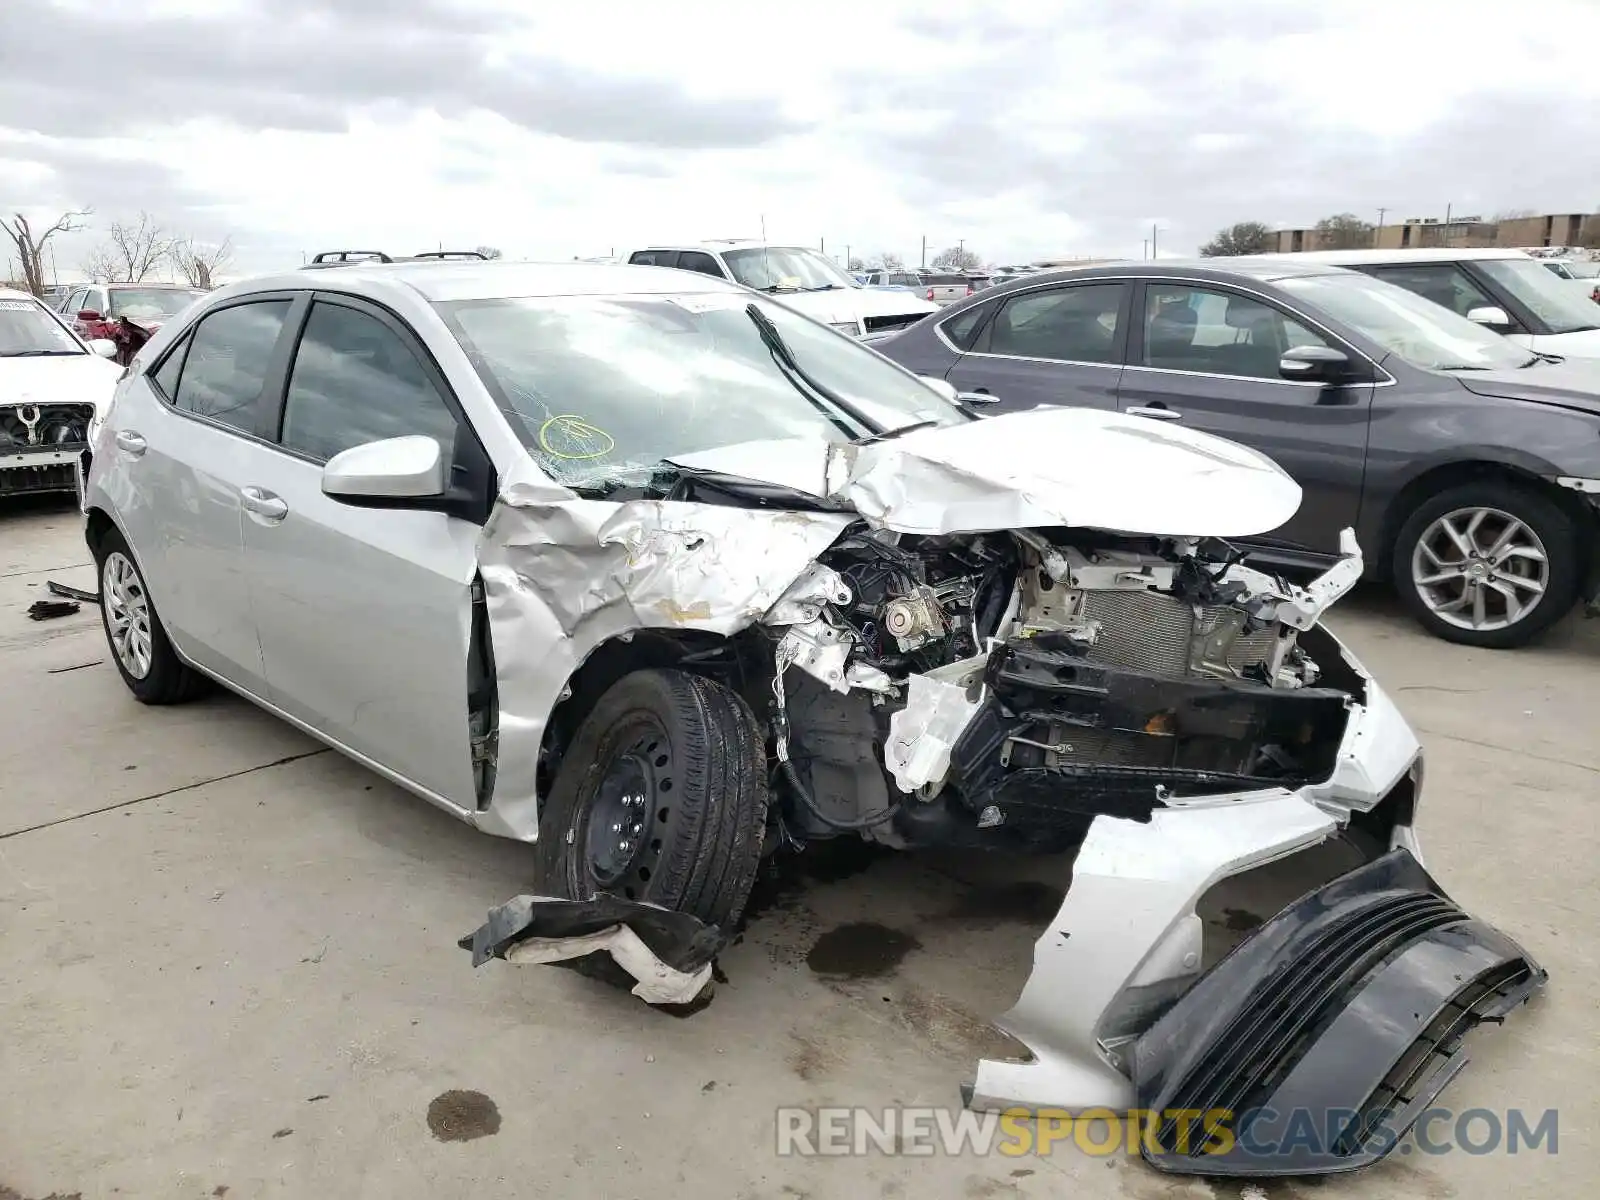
[
  {"x": 1013, "y": 686},
  {"x": 42, "y": 446}
]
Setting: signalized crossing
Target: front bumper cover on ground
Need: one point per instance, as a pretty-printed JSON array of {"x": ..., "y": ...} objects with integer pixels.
[{"x": 1319, "y": 1041}]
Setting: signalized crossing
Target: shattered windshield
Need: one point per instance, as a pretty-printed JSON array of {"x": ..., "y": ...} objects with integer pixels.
[
  {"x": 151, "y": 304},
  {"x": 785, "y": 269},
  {"x": 1421, "y": 332},
  {"x": 27, "y": 330},
  {"x": 601, "y": 387}
]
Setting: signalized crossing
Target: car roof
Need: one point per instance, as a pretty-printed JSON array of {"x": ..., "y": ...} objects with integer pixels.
[
  {"x": 714, "y": 245},
  {"x": 438, "y": 281},
  {"x": 16, "y": 294},
  {"x": 1265, "y": 268},
  {"x": 143, "y": 287},
  {"x": 1442, "y": 254}
]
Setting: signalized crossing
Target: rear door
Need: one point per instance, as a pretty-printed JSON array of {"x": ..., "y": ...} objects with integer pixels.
[
  {"x": 364, "y": 614},
  {"x": 1061, "y": 344},
  {"x": 183, "y": 437},
  {"x": 1206, "y": 355}
]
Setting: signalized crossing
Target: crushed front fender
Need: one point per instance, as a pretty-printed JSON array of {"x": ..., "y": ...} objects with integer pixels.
[{"x": 1319, "y": 1041}]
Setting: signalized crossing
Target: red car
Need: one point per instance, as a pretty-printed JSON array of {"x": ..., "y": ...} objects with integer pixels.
[{"x": 96, "y": 309}]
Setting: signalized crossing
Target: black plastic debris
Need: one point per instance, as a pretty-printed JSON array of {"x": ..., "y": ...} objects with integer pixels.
[
  {"x": 68, "y": 592},
  {"x": 49, "y": 610}
]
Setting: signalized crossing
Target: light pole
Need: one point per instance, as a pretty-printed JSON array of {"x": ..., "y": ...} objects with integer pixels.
[{"x": 1377, "y": 234}]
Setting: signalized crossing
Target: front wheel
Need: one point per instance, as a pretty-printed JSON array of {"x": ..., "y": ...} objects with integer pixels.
[
  {"x": 1488, "y": 564},
  {"x": 661, "y": 797}
]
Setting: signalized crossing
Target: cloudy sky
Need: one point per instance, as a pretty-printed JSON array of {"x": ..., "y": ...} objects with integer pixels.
[{"x": 556, "y": 129}]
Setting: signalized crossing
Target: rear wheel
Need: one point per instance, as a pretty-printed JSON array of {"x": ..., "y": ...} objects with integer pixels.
[
  {"x": 661, "y": 797},
  {"x": 145, "y": 658},
  {"x": 1488, "y": 564}
]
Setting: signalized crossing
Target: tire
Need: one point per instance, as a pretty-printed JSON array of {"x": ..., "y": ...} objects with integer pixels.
[
  {"x": 1545, "y": 526},
  {"x": 691, "y": 752},
  {"x": 158, "y": 676}
]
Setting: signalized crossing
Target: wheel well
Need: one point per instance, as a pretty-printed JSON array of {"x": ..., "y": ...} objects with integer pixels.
[
  {"x": 735, "y": 661},
  {"x": 1454, "y": 474},
  {"x": 97, "y": 525}
]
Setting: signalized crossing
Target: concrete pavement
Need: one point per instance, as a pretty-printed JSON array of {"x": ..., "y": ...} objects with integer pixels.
[{"x": 231, "y": 966}]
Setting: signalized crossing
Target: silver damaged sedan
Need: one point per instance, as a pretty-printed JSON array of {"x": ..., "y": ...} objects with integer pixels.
[{"x": 664, "y": 578}]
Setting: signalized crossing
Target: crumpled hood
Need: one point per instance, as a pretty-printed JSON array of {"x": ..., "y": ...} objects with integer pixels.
[
  {"x": 81, "y": 379},
  {"x": 1573, "y": 384},
  {"x": 1036, "y": 469},
  {"x": 850, "y": 304}
]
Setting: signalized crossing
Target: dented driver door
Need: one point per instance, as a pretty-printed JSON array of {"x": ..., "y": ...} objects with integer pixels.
[{"x": 364, "y": 613}]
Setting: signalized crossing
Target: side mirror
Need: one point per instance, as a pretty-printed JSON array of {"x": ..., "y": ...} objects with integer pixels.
[
  {"x": 1491, "y": 315},
  {"x": 1321, "y": 364},
  {"x": 88, "y": 314},
  {"x": 393, "y": 473},
  {"x": 104, "y": 347}
]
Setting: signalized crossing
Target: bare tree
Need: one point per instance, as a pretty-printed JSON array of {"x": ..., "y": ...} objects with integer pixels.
[
  {"x": 199, "y": 263},
  {"x": 132, "y": 251},
  {"x": 1344, "y": 231},
  {"x": 890, "y": 261},
  {"x": 957, "y": 258},
  {"x": 1245, "y": 237},
  {"x": 855, "y": 264},
  {"x": 31, "y": 241},
  {"x": 491, "y": 251},
  {"x": 101, "y": 265}
]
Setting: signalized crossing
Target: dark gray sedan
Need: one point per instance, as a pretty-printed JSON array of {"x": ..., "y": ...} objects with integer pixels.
[{"x": 1469, "y": 466}]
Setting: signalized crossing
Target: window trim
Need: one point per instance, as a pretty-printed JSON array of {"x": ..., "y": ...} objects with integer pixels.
[
  {"x": 1135, "y": 347},
  {"x": 993, "y": 303},
  {"x": 1119, "y": 346},
  {"x": 278, "y": 399},
  {"x": 269, "y": 382}
]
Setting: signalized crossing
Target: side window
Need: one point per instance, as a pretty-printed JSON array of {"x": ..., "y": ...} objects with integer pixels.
[
  {"x": 355, "y": 381},
  {"x": 1071, "y": 324},
  {"x": 653, "y": 258},
  {"x": 95, "y": 298},
  {"x": 75, "y": 302},
  {"x": 1217, "y": 333},
  {"x": 226, "y": 365},
  {"x": 1443, "y": 283},
  {"x": 963, "y": 330},
  {"x": 166, "y": 376},
  {"x": 694, "y": 260}
]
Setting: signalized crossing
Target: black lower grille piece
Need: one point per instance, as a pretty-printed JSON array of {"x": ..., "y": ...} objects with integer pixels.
[{"x": 1321, "y": 1038}]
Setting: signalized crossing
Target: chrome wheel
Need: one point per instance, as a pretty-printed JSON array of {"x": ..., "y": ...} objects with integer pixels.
[
  {"x": 1480, "y": 568},
  {"x": 127, "y": 614}
]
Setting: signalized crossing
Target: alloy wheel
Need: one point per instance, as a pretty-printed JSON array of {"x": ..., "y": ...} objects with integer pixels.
[
  {"x": 1480, "y": 568},
  {"x": 127, "y": 614}
]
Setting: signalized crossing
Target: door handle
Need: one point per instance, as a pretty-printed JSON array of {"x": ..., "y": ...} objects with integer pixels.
[
  {"x": 1155, "y": 413},
  {"x": 130, "y": 441},
  {"x": 263, "y": 504}
]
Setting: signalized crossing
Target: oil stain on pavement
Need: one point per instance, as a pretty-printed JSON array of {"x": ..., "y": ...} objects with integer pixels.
[
  {"x": 860, "y": 950},
  {"x": 457, "y": 1116}
]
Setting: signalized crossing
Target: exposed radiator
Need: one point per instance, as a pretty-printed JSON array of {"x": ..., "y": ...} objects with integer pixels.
[{"x": 1147, "y": 631}]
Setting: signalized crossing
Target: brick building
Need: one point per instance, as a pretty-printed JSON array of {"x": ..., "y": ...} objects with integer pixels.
[{"x": 1556, "y": 229}]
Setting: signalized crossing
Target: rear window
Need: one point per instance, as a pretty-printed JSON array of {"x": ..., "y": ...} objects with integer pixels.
[{"x": 945, "y": 280}]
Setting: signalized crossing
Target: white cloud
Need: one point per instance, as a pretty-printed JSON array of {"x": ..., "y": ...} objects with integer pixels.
[{"x": 562, "y": 130}]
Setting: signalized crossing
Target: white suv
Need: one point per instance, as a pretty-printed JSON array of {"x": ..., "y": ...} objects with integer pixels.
[{"x": 798, "y": 277}]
